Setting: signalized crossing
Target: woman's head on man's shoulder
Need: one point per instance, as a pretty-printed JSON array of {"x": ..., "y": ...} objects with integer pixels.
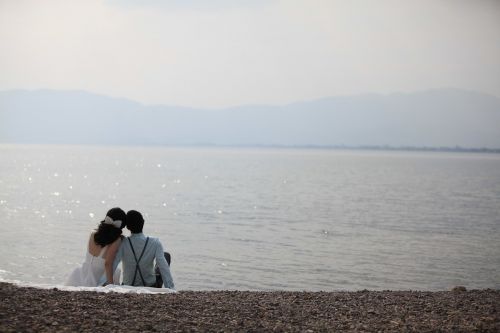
[
  {"x": 110, "y": 228},
  {"x": 116, "y": 219},
  {"x": 117, "y": 214}
]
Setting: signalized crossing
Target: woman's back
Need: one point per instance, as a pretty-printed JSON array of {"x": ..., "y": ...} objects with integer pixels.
[
  {"x": 92, "y": 269},
  {"x": 102, "y": 247}
]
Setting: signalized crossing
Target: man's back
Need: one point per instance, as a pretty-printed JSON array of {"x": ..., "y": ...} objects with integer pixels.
[{"x": 152, "y": 252}]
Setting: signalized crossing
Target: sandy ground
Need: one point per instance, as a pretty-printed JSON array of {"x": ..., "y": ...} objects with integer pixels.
[{"x": 35, "y": 310}]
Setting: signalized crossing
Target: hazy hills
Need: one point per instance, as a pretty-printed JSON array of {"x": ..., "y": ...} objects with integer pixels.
[{"x": 435, "y": 118}]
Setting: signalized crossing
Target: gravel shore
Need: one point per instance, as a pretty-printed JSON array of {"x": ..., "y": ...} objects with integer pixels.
[{"x": 36, "y": 310}]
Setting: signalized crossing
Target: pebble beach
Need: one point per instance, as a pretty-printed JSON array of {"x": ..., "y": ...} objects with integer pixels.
[{"x": 25, "y": 309}]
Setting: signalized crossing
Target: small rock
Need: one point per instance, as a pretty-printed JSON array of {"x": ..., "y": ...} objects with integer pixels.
[{"x": 459, "y": 289}]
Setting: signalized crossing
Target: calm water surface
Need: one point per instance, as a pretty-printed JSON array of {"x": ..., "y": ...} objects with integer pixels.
[{"x": 261, "y": 219}]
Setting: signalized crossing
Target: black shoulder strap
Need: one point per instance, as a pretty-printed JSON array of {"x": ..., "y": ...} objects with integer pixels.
[{"x": 137, "y": 268}]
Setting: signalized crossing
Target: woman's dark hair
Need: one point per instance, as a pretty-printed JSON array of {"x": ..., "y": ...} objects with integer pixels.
[{"x": 107, "y": 233}]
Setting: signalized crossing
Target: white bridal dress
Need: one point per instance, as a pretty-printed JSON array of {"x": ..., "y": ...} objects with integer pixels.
[{"x": 89, "y": 274}]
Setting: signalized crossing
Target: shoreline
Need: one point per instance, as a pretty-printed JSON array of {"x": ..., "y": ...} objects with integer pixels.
[{"x": 40, "y": 310}]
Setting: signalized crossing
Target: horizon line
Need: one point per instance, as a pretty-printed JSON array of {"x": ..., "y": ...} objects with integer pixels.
[
  {"x": 364, "y": 94},
  {"x": 403, "y": 148}
]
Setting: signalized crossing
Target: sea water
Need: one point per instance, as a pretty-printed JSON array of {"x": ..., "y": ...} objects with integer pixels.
[{"x": 260, "y": 219}]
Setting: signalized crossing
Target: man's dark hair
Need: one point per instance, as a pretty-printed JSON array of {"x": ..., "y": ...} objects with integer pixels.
[{"x": 135, "y": 221}]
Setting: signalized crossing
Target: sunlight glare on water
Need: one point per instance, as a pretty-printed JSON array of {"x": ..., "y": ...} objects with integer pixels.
[{"x": 261, "y": 219}]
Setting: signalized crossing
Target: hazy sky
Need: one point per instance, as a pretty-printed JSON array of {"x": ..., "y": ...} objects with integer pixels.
[{"x": 227, "y": 52}]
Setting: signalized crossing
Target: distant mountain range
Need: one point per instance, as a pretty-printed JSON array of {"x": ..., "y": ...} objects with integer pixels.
[{"x": 433, "y": 118}]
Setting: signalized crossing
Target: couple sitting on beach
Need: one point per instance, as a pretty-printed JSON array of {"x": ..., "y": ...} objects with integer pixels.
[{"x": 107, "y": 247}]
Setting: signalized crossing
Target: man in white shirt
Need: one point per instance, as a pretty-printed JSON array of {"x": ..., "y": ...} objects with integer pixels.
[{"x": 138, "y": 253}]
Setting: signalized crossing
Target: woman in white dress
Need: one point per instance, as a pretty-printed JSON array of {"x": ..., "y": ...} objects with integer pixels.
[{"x": 102, "y": 247}]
